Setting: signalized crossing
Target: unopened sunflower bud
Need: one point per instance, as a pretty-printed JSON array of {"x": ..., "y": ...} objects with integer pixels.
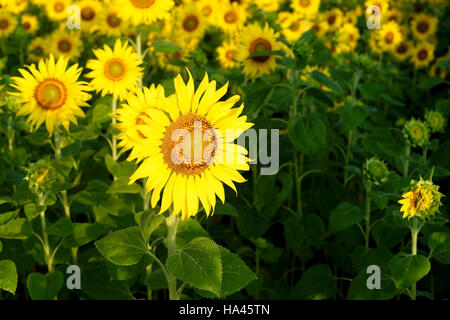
[
  {"x": 303, "y": 49},
  {"x": 436, "y": 121},
  {"x": 416, "y": 132},
  {"x": 40, "y": 176},
  {"x": 375, "y": 171},
  {"x": 422, "y": 200}
]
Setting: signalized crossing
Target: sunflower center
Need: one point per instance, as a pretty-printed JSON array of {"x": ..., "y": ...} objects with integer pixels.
[
  {"x": 142, "y": 3},
  {"x": 304, "y": 3},
  {"x": 230, "y": 54},
  {"x": 389, "y": 37},
  {"x": 401, "y": 49},
  {"x": 259, "y": 46},
  {"x": 26, "y": 25},
  {"x": 113, "y": 21},
  {"x": 206, "y": 10},
  {"x": 87, "y": 14},
  {"x": 190, "y": 23},
  {"x": 423, "y": 54},
  {"x": 51, "y": 94},
  {"x": 294, "y": 26},
  {"x": 189, "y": 144},
  {"x": 64, "y": 45},
  {"x": 416, "y": 132},
  {"x": 4, "y": 24},
  {"x": 58, "y": 7},
  {"x": 230, "y": 17},
  {"x": 115, "y": 69},
  {"x": 422, "y": 27},
  {"x": 331, "y": 20}
]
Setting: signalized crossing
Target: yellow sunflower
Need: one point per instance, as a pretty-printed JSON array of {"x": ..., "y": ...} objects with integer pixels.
[
  {"x": 226, "y": 53},
  {"x": 144, "y": 11},
  {"x": 192, "y": 154},
  {"x": 231, "y": 17},
  {"x": 423, "y": 54},
  {"x": 334, "y": 19},
  {"x": 115, "y": 71},
  {"x": 305, "y": 8},
  {"x": 57, "y": 9},
  {"x": 89, "y": 14},
  {"x": 38, "y": 48},
  {"x": 403, "y": 50},
  {"x": 109, "y": 22},
  {"x": 293, "y": 27},
  {"x": 7, "y": 24},
  {"x": 64, "y": 42},
  {"x": 51, "y": 93},
  {"x": 131, "y": 116},
  {"x": 423, "y": 26},
  {"x": 190, "y": 22},
  {"x": 439, "y": 71},
  {"x": 389, "y": 36},
  {"x": 348, "y": 37},
  {"x": 29, "y": 23},
  {"x": 319, "y": 25},
  {"x": 382, "y": 4},
  {"x": 16, "y": 6},
  {"x": 208, "y": 9},
  {"x": 257, "y": 40}
]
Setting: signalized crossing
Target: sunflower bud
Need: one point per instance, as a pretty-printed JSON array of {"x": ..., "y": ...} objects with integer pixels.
[
  {"x": 416, "y": 132},
  {"x": 41, "y": 176},
  {"x": 375, "y": 171},
  {"x": 422, "y": 200},
  {"x": 435, "y": 120}
]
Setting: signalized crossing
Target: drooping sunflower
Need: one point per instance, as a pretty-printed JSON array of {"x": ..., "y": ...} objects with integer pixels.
[
  {"x": 89, "y": 14},
  {"x": 7, "y": 24},
  {"x": 257, "y": 40},
  {"x": 423, "y": 54},
  {"x": 231, "y": 17},
  {"x": 389, "y": 36},
  {"x": 65, "y": 43},
  {"x": 57, "y": 9},
  {"x": 144, "y": 11},
  {"x": 131, "y": 116},
  {"x": 192, "y": 154},
  {"x": 115, "y": 71},
  {"x": 51, "y": 93},
  {"x": 226, "y": 55},
  {"x": 423, "y": 26},
  {"x": 306, "y": 8},
  {"x": 29, "y": 23}
]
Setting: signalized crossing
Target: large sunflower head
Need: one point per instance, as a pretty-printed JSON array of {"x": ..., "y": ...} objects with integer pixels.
[
  {"x": 144, "y": 11},
  {"x": 115, "y": 71},
  {"x": 255, "y": 42},
  {"x": 190, "y": 151},
  {"x": 52, "y": 93}
]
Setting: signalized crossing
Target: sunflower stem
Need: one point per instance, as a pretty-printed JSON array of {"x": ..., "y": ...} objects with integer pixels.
[
  {"x": 114, "y": 140},
  {"x": 408, "y": 153},
  {"x": 172, "y": 223},
  {"x": 10, "y": 133},
  {"x": 139, "y": 52},
  {"x": 414, "y": 233},
  {"x": 46, "y": 245},
  {"x": 367, "y": 233}
]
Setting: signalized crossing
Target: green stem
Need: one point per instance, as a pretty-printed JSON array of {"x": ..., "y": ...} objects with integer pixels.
[
  {"x": 148, "y": 271},
  {"x": 424, "y": 154},
  {"x": 367, "y": 233},
  {"x": 414, "y": 234},
  {"x": 408, "y": 153},
  {"x": 114, "y": 121},
  {"x": 46, "y": 245},
  {"x": 347, "y": 154},
  {"x": 172, "y": 223},
  {"x": 10, "y": 133},
  {"x": 139, "y": 52}
]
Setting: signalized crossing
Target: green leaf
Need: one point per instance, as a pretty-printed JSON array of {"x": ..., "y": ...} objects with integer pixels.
[
  {"x": 18, "y": 228},
  {"x": 225, "y": 209},
  {"x": 317, "y": 283},
  {"x": 156, "y": 280},
  {"x": 198, "y": 264},
  {"x": 189, "y": 230},
  {"x": 44, "y": 287},
  {"x": 391, "y": 100},
  {"x": 344, "y": 216},
  {"x": 8, "y": 216},
  {"x": 407, "y": 269},
  {"x": 124, "y": 247},
  {"x": 148, "y": 221},
  {"x": 32, "y": 210},
  {"x": 439, "y": 243},
  {"x": 235, "y": 273},
  {"x": 358, "y": 288},
  {"x": 82, "y": 234},
  {"x": 327, "y": 82},
  {"x": 122, "y": 169},
  {"x": 353, "y": 116},
  {"x": 120, "y": 185},
  {"x": 308, "y": 134},
  {"x": 165, "y": 46},
  {"x": 101, "y": 112},
  {"x": 1, "y": 246},
  {"x": 38, "y": 138},
  {"x": 279, "y": 53},
  {"x": 429, "y": 83},
  {"x": 8, "y": 276}
]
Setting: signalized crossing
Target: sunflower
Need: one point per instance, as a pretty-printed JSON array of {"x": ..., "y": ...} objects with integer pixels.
[
  {"x": 348, "y": 37},
  {"x": 231, "y": 17},
  {"x": 89, "y": 14},
  {"x": 109, "y": 22},
  {"x": 423, "y": 54},
  {"x": 208, "y": 9},
  {"x": 144, "y": 11},
  {"x": 334, "y": 19},
  {"x": 57, "y": 9},
  {"x": 305, "y": 8},
  {"x": 439, "y": 71},
  {"x": 131, "y": 115},
  {"x": 257, "y": 40},
  {"x": 115, "y": 71},
  {"x": 319, "y": 25},
  {"x": 65, "y": 43},
  {"x": 393, "y": 15},
  {"x": 190, "y": 22},
  {"x": 382, "y": 4},
  {"x": 423, "y": 26},
  {"x": 51, "y": 93},
  {"x": 37, "y": 49},
  {"x": 29, "y": 23},
  {"x": 196, "y": 175},
  {"x": 389, "y": 36},
  {"x": 268, "y": 5},
  {"x": 293, "y": 27},
  {"x": 225, "y": 55},
  {"x": 403, "y": 50},
  {"x": 7, "y": 24},
  {"x": 16, "y": 6}
]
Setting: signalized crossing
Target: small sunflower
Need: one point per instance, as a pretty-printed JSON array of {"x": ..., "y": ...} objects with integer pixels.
[
  {"x": 348, "y": 37},
  {"x": 29, "y": 23},
  {"x": 51, "y": 93},
  {"x": 305, "y": 8},
  {"x": 115, "y": 71},
  {"x": 416, "y": 132},
  {"x": 65, "y": 43},
  {"x": 255, "y": 41},
  {"x": 190, "y": 22},
  {"x": 319, "y": 25},
  {"x": 423, "y": 26},
  {"x": 435, "y": 120},
  {"x": 231, "y": 17},
  {"x": 403, "y": 50},
  {"x": 383, "y": 5},
  {"x": 226, "y": 53},
  {"x": 89, "y": 14},
  {"x": 375, "y": 171},
  {"x": 37, "y": 49},
  {"x": 293, "y": 27},
  {"x": 7, "y": 24},
  {"x": 110, "y": 23},
  {"x": 144, "y": 11},
  {"x": 422, "y": 55},
  {"x": 57, "y": 9},
  {"x": 437, "y": 71},
  {"x": 334, "y": 19},
  {"x": 208, "y": 9},
  {"x": 183, "y": 168},
  {"x": 389, "y": 36},
  {"x": 16, "y": 6}
]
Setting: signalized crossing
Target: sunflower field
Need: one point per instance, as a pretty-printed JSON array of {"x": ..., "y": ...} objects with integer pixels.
[{"x": 226, "y": 149}]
